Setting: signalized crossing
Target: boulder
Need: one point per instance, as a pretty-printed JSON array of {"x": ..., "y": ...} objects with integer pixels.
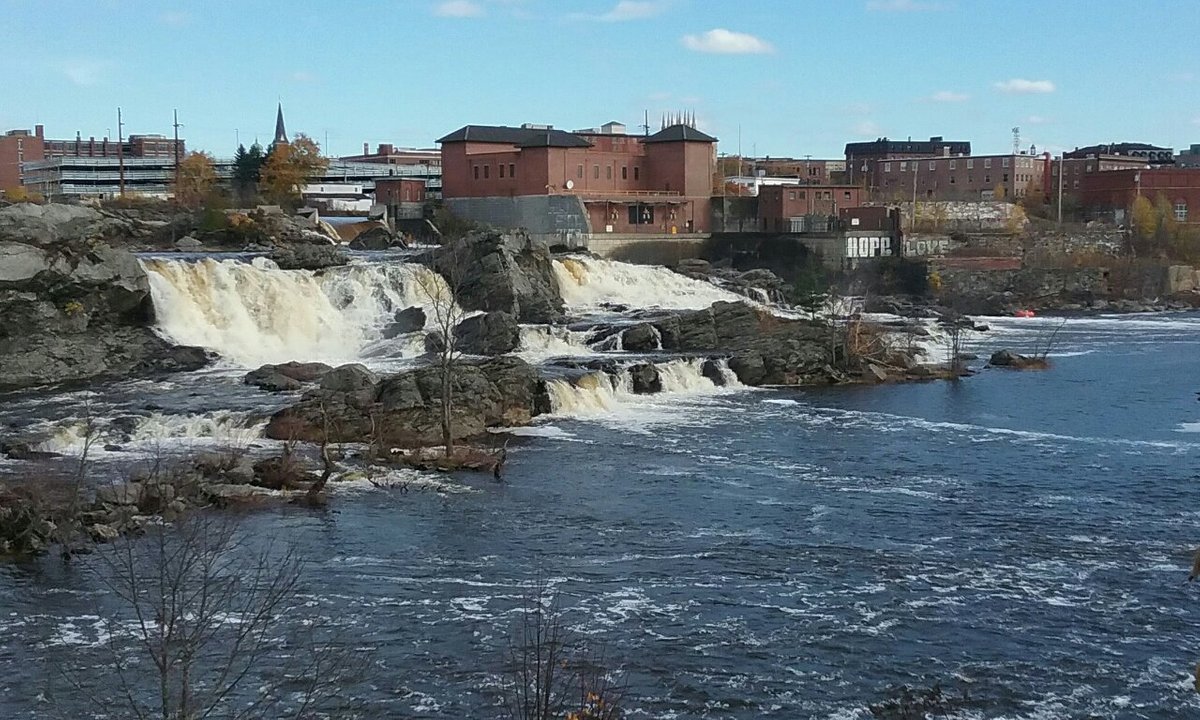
[
  {"x": 493, "y": 333},
  {"x": 102, "y": 533},
  {"x": 711, "y": 369},
  {"x": 121, "y": 494},
  {"x": 1009, "y": 359},
  {"x": 188, "y": 244},
  {"x": 749, "y": 368},
  {"x": 405, "y": 409},
  {"x": 286, "y": 376},
  {"x": 308, "y": 257},
  {"x": 501, "y": 271},
  {"x": 281, "y": 473},
  {"x": 350, "y": 378},
  {"x": 645, "y": 379},
  {"x": 376, "y": 238},
  {"x": 642, "y": 337},
  {"x": 408, "y": 320}
]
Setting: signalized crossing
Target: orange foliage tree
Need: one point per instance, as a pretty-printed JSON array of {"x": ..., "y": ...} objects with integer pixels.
[
  {"x": 289, "y": 167},
  {"x": 197, "y": 178}
]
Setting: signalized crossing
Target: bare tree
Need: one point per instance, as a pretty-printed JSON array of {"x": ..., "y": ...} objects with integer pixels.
[
  {"x": 551, "y": 674},
  {"x": 442, "y": 293},
  {"x": 196, "y": 631}
]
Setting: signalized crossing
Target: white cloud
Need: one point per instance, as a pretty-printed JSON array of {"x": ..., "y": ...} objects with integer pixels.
[
  {"x": 628, "y": 10},
  {"x": 1020, "y": 86},
  {"x": 303, "y": 76},
  {"x": 869, "y": 128},
  {"x": 900, "y": 6},
  {"x": 1036, "y": 120},
  {"x": 85, "y": 71},
  {"x": 727, "y": 42},
  {"x": 949, "y": 96},
  {"x": 459, "y": 9}
]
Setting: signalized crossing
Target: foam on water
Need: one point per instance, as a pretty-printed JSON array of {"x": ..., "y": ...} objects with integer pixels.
[
  {"x": 222, "y": 428},
  {"x": 599, "y": 393},
  {"x": 253, "y": 313},
  {"x": 542, "y": 342},
  {"x": 588, "y": 284}
]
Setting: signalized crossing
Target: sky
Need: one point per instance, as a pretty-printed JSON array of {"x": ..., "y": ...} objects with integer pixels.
[{"x": 767, "y": 77}]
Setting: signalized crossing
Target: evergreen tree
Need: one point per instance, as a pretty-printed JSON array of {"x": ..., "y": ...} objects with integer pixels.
[{"x": 247, "y": 170}]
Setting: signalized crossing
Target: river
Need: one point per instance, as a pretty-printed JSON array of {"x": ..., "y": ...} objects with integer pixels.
[{"x": 1020, "y": 536}]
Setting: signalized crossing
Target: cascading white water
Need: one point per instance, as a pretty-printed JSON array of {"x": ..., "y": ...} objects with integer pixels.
[
  {"x": 224, "y": 428},
  {"x": 542, "y": 342},
  {"x": 253, "y": 313},
  {"x": 599, "y": 393},
  {"x": 588, "y": 284}
]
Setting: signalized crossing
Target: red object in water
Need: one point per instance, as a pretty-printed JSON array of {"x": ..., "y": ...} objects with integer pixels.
[{"x": 1023, "y": 313}]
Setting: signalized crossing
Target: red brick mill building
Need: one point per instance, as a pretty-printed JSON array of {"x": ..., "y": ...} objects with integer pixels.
[
  {"x": 568, "y": 186},
  {"x": 1111, "y": 194}
]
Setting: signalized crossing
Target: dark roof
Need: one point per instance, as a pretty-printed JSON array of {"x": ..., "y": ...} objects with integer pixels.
[
  {"x": 521, "y": 137},
  {"x": 678, "y": 133}
]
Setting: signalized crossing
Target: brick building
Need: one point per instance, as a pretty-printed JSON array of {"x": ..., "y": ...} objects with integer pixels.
[
  {"x": 394, "y": 191},
  {"x": 794, "y": 208},
  {"x": 1153, "y": 154},
  {"x": 1075, "y": 168},
  {"x": 572, "y": 184},
  {"x": 1111, "y": 194},
  {"x": 389, "y": 154},
  {"x": 805, "y": 171},
  {"x": 958, "y": 177}
]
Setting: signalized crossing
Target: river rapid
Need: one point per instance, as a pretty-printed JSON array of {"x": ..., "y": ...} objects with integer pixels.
[{"x": 1022, "y": 537}]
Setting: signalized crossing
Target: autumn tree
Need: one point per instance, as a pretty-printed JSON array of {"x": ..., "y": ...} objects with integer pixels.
[
  {"x": 1142, "y": 218},
  {"x": 196, "y": 178},
  {"x": 288, "y": 167},
  {"x": 23, "y": 195}
]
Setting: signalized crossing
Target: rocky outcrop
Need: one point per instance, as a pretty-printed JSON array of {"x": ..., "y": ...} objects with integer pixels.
[
  {"x": 493, "y": 333},
  {"x": 1015, "y": 361},
  {"x": 286, "y": 376},
  {"x": 376, "y": 238},
  {"x": 408, "y": 320},
  {"x": 404, "y": 410},
  {"x": 642, "y": 337},
  {"x": 508, "y": 271},
  {"x": 308, "y": 257},
  {"x": 758, "y": 284},
  {"x": 71, "y": 306}
]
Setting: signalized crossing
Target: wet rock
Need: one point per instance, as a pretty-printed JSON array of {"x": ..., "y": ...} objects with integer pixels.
[
  {"x": 876, "y": 373},
  {"x": 120, "y": 494},
  {"x": 493, "y": 333},
  {"x": 188, "y": 244},
  {"x": 642, "y": 337},
  {"x": 749, "y": 368},
  {"x": 286, "y": 376},
  {"x": 309, "y": 257},
  {"x": 1009, "y": 359},
  {"x": 376, "y": 238},
  {"x": 350, "y": 378},
  {"x": 156, "y": 497},
  {"x": 507, "y": 271},
  {"x": 645, "y": 379},
  {"x": 284, "y": 472},
  {"x": 227, "y": 492},
  {"x": 102, "y": 533},
  {"x": 711, "y": 369},
  {"x": 408, "y": 320}
]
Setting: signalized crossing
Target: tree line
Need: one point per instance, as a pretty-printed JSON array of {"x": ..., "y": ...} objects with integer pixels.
[{"x": 276, "y": 174}]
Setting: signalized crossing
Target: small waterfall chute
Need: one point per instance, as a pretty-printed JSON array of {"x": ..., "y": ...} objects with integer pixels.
[{"x": 589, "y": 284}]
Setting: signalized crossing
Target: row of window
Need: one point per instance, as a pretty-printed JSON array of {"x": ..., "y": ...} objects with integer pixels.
[
  {"x": 987, "y": 164},
  {"x": 512, "y": 170},
  {"x": 608, "y": 172},
  {"x": 817, "y": 195}
]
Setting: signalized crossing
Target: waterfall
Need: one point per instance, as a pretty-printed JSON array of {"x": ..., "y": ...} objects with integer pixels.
[
  {"x": 590, "y": 284},
  {"x": 599, "y": 393},
  {"x": 253, "y": 313},
  {"x": 542, "y": 342}
]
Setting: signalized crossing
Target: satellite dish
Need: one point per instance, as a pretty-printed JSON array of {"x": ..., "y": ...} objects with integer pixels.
[{"x": 570, "y": 184}]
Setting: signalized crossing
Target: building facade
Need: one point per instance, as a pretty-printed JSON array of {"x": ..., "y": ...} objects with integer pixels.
[
  {"x": 808, "y": 171},
  {"x": 1189, "y": 158},
  {"x": 19, "y": 147},
  {"x": 1112, "y": 194},
  {"x": 795, "y": 208},
  {"x": 388, "y": 154},
  {"x": 1153, "y": 154},
  {"x": 1074, "y": 169},
  {"x": 599, "y": 180},
  {"x": 958, "y": 177}
]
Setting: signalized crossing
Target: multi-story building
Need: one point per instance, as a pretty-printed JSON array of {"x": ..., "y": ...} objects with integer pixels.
[
  {"x": 1189, "y": 158},
  {"x": 1073, "y": 169},
  {"x": 21, "y": 147},
  {"x": 1153, "y": 154},
  {"x": 958, "y": 177},
  {"x": 1112, "y": 194},
  {"x": 389, "y": 154},
  {"x": 570, "y": 185},
  {"x": 805, "y": 171},
  {"x": 795, "y": 208}
]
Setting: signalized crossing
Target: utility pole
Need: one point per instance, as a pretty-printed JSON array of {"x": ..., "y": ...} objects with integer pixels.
[
  {"x": 175, "y": 149},
  {"x": 1060, "y": 187},
  {"x": 912, "y": 226},
  {"x": 121, "y": 153}
]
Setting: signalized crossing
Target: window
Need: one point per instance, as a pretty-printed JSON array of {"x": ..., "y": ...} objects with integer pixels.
[
  {"x": 802, "y": 195},
  {"x": 1005, "y": 177},
  {"x": 951, "y": 179},
  {"x": 987, "y": 163},
  {"x": 987, "y": 179},
  {"x": 608, "y": 172},
  {"x": 624, "y": 173},
  {"x": 791, "y": 195},
  {"x": 485, "y": 171},
  {"x": 1004, "y": 162},
  {"x": 953, "y": 164},
  {"x": 1181, "y": 211},
  {"x": 636, "y": 172},
  {"x": 904, "y": 167},
  {"x": 887, "y": 167},
  {"x": 595, "y": 172},
  {"x": 476, "y": 169},
  {"x": 640, "y": 214},
  {"x": 501, "y": 169},
  {"x": 933, "y": 164},
  {"x": 814, "y": 172},
  {"x": 828, "y": 194},
  {"x": 970, "y": 163},
  {"x": 846, "y": 196},
  {"x": 579, "y": 172},
  {"x": 1088, "y": 168},
  {"x": 512, "y": 169}
]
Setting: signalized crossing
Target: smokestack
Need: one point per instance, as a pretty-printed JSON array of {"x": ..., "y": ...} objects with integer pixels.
[
  {"x": 39, "y": 131},
  {"x": 366, "y": 149}
]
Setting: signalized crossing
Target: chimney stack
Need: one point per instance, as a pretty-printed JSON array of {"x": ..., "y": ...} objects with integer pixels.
[
  {"x": 40, "y": 131},
  {"x": 366, "y": 149}
]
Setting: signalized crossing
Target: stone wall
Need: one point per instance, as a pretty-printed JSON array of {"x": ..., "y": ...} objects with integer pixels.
[{"x": 554, "y": 219}]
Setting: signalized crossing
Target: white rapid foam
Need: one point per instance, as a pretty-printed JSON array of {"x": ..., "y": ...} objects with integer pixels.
[
  {"x": 599, "y": 393},
  {"x": 223, "y": 429},
  {"x": 588, "y": 284},
  {"x": 253, "y": 313},
  {"x": 542, "y": 342}
]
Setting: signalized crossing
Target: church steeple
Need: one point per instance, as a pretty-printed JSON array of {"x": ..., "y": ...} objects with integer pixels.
[{"x": 280, "y": 131}]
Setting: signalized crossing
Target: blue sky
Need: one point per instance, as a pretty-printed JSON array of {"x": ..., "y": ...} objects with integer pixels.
[{"x": 790, "y": 77}]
